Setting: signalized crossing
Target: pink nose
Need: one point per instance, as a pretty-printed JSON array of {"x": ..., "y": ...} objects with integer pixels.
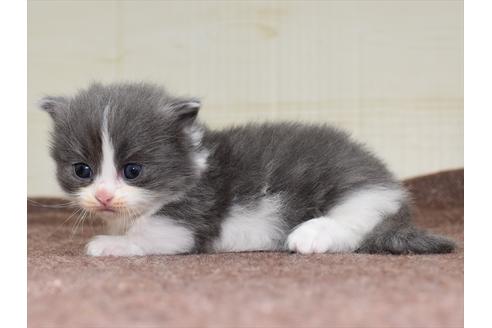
[{"x": 104, "y": 196}]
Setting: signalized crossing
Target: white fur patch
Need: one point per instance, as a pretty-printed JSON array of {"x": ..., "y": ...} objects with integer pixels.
[
  {"x": 253, "y": 228},
  {"x": 346, "y": 224},
  {"x": 113, "y": 246},
  {"x": 200, "y": 160},
  {"x": 195, "y": 132},
  {"x": 149, "y": 235},
  {"x": 199, "y": 155}
]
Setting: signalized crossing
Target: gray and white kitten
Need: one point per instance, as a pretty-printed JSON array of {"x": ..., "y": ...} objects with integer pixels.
[{"x": 165, "y": 184}]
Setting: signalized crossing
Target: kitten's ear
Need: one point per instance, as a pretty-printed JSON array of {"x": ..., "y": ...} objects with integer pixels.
[
  {"x": 53, "y": 105},
  {"x": 185, "y": 110}
]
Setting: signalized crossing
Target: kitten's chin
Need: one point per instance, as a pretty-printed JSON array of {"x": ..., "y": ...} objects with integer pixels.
[
  {"x": 116, "y": 223},
  {"x": 119, "y": 219},
  {"x": 108, "y": 215}
]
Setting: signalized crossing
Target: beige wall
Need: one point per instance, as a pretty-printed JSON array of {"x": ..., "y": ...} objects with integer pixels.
[{"x": 391, "y": 72}]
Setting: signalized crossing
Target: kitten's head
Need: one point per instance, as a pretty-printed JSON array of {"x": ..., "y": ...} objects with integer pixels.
[{"x": 125, "y": 149}]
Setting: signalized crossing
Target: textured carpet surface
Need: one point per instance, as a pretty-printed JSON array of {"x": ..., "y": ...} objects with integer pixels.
[{"x": 68, "y": 289}]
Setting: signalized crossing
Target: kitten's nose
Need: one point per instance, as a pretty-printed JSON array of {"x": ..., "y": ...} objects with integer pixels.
[{"x": 104, "y": 196}]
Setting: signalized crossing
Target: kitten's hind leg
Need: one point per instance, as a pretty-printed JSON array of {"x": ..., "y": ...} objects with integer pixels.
[{"x": 346, "y": 224}]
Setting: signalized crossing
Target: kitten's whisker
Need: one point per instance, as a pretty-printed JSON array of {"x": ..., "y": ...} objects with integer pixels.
[
  {"x": 65, "y": 221},
  {"x": 91, "y": 218},
  {"x": 62, "y": 205},
  {"x": 72, "y": 215},
  {"x": 135, "y": 215},
  {"x": 74, "y": 225},
  {"x": 38, "y": 203},
  {"x": 78, "y": 222},
  {"x": 125, "y": 225},
  {"x": 129, "y": 215},
  {"x": 83, "y": 219}
]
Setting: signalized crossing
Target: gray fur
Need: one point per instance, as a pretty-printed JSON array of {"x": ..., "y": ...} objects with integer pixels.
[
  {"x": 396, "y": 235},
  {"x": 311, "y": 166}
]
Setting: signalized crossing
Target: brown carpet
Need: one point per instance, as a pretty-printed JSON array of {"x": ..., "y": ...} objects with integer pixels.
[{"x": 68, "y": 289}]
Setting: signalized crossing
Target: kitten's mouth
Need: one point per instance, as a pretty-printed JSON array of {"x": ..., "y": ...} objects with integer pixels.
[{"x": 106, "y": 210}]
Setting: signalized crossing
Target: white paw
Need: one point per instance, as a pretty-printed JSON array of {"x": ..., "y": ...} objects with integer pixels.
[
  {"x": 113, "y": 246},
  {"x": 321, "y": 235}
]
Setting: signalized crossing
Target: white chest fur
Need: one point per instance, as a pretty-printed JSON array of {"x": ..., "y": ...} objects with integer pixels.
[{"x": 253, "y": 227}]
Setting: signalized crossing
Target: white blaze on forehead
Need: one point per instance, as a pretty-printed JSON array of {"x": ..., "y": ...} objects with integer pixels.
[{"x": 108, "y": 173}]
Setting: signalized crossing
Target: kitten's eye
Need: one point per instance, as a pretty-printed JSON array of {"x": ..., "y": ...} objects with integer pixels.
[
  {"x": 131, "y": 171},
  {"x": 82, "y": 170}
]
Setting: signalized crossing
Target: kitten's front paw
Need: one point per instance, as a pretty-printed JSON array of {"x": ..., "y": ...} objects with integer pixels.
[{"x": 113, "y": 246}]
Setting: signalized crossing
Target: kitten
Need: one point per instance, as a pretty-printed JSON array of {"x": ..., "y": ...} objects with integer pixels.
[{"x": 165, "y": 184}]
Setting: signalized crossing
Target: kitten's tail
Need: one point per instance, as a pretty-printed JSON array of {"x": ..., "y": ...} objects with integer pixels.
[{"x": 397, "y": 235}]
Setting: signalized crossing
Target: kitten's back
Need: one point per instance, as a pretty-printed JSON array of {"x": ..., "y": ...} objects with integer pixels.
[{"x": 302, "y": 153}]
